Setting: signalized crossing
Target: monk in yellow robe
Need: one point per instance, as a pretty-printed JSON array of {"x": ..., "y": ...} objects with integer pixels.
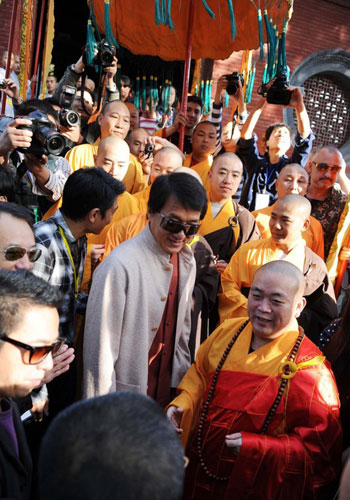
[
  {"x": 258, "y": 411},
  {"x": 203, "y": 146},
  {"x": 293, "y": 179},
  {"x": 226, "y": 225},
  {"x": 114, "y": 120},
  {"x": 289, "y": 218}
]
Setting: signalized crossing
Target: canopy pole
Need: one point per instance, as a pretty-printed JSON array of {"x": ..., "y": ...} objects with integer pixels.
[
  {"x": 36, "y": 63},
  {"x": 9, "y": 50},
  {"x": 186, "y": 79}
]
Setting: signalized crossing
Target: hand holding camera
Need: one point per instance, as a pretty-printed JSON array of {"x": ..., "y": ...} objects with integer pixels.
[
  {"x": 46, "y": 140},
  {"x": 9, "y": 88},
  {"x": 14, "y": 136}
]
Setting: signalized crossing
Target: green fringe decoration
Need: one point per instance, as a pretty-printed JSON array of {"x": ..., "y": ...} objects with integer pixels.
[
  {"x": 232, "y": 19},
  {"x": 261, "y": 35},
  {"x": 151, "y": 91},
  {"x": 155, "y": 91},
  {"x": 226, "y": 101},
  {"x": 196, "y": 89},
  {"x": 144, "y": 94},
  {"x": 137, "y": 93},
  {"x": 208, "y": 9},
  {"x": 162, "y": 13},
  {"x": 90, "y": 43},
  {"x": 250, "y": 85},
  {"x": 108, "y": 29},
  {"x": 157, "y": 13}
]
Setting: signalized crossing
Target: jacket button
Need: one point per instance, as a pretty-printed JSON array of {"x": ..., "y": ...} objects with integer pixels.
[
  {"x": 168, "y": 268},
  {"x": 163, "y": 298},
  {"x": 154, "y": 329}
]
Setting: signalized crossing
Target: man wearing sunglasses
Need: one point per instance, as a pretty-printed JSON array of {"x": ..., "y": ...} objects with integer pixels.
[
  {"x": 326, "y": 198},
  {"x": 139, "y": 309},
  {"x": 28, "y": 340}
]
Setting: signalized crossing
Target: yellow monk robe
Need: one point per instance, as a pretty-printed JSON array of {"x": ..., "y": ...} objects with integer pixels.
[
  {"x": 209, "y": 224},
  {"x": 141, "y": 199},
  {"x": 202, "y": 168},
  {"x": 123, "y": 230},
  {"x": 240, "y": 271},
  {"x": 313, "y": 236},
  {"x": 341, "y": 239},
  {"x": 83, "y": 156}
]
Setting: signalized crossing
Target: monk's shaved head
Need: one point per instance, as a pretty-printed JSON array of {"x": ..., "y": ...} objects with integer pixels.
[
  {"x": 189, "y": 171},
  {"x": 113, "y": 142},
  {"x": 225, "y": 158},
  {"x": 294, "y": 167},
  {"x": 300, "y": 204},
  {"x": 283, "y": 268},
  {"x": 171, "y": 152}
]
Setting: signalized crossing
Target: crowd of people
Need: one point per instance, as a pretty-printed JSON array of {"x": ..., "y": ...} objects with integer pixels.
[{"x": 168, "y": 321}]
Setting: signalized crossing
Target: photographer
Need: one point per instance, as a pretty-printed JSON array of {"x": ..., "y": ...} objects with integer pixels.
[
  {"x": 9, "y": 87},
  {"x": 259, "y": 191},
  {"x": 89, "y": 131}
]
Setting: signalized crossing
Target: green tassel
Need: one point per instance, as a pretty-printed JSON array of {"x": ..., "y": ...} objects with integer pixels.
[
  {"x": 137, "y": 93},
  {"x": 157, "y": 13},
  {"x": 201, "y": 95},
  {"x": 144, "y": 94},
  {"x": 151, "y": 96},
  {"x": 108, "y": 29},
  {"x": 90, "y": 43},
  {"x": 196, "y": 89},
  {"x": 208, "y": 9},
  {"x": 232, "y": 19},
  {"x": 226, "y": 100},
  {"x": 155, "y": 91},
  {"x": 248, "y": 96},
  {"x": 261, "y": 35},
  {"x": 265, "y": 74},
  {"x": 169, "y": 21}
]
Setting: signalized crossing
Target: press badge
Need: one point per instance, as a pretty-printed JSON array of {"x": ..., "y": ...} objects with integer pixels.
[{"x": 262, "y": 200}]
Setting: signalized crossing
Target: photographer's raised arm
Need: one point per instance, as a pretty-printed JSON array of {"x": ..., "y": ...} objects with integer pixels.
[
  {"x": 70, "y": 77},
  {"x": 252, "y": 120},
  {"x": 297, "y": 103}
]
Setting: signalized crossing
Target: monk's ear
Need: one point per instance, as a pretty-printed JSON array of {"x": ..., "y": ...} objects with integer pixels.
[
  {"x": 300, "y": 306},
  {"x": 306, "y": 224}
]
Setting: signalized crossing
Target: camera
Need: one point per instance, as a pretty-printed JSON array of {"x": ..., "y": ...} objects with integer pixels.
[
  {"x": 3, "y": 85},
  {"x": 149, "y": 148},
  {"x": 277, "y": 91},
  {"x": 46, "y": 140},
  {"x": 104, "y": 54},
  {"x": 66, "y": 116},
  {"x": 233, "y": 82}
]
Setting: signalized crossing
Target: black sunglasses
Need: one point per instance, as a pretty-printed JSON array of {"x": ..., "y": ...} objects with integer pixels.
[
  {"x": 174, "y": 226},
  {"x": 15, "y": 252},
  {"x": 323, "y": 167},
  {"x": 34, "y": 355}
]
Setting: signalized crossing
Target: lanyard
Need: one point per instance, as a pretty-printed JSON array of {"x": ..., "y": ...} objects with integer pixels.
[
  {"x": 76, "y": 281},
  {"x": 268, "y": 176}
]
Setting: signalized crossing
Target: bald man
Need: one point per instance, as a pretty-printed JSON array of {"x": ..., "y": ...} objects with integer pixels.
[
  {"x": 226, "y": 225},
  {"x": 134, "y": 115},
  {"x": 293, "y": 179},
  {"x": 289, "y": 219},
  {"x": 267, "y": 422},
  {"x": 114, "y": 120}
]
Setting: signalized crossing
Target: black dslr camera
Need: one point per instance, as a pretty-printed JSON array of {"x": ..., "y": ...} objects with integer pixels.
[
  {"x": 46, "y": 140},
  {"x": 277, "y": 91},
  {"x": 233, "y": 82},
  {"x": 104, "y": 54},
  {"x": 66, "y": 116},
  {"x": 3, "y": 85}
]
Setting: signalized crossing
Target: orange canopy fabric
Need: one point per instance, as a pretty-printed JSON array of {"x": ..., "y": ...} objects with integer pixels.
[{"x": 133, "y": 25}]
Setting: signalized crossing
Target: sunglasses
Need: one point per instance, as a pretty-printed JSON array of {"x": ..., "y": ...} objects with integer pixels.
[
  {"x": 15, "y": 253},
  {"x": 34, "y": 355},
  {"x": 323, "y": 167},
  {"x": 174, "y": 226}
]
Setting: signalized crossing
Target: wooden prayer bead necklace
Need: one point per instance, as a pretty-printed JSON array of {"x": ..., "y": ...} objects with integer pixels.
[{"x": 270, "y": 413}]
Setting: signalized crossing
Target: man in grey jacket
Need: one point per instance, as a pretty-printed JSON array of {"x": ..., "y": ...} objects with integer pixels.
[{"x": 139, "y": 309}]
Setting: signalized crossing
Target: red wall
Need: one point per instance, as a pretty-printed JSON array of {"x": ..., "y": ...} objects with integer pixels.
[
  {"x": 315, "y": 25},
  {"x": 5, "y": 23}
]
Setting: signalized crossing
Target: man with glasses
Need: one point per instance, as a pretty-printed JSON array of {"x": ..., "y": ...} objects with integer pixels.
[
  {"x": 139, "y": 309},
  {"x": 28, "y": 339},
  {"x": 326, "y": 199}
]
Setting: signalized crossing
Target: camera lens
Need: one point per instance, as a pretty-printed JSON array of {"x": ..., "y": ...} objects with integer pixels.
[
  {"x": 55, "y": 143},
  {"x": 72, "y": 118}
]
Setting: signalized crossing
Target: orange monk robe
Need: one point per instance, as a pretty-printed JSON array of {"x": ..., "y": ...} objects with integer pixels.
[
  {"x": 141, "y": 199},
  {"x": 202, "y": 168},
  {"x": 240, "y": 271},
  {"x": 313, "y": 236},
  {"x": 301, "y": 450},
  {"x": 83, "y": 156},
  {"x": 123, "y": 230}
]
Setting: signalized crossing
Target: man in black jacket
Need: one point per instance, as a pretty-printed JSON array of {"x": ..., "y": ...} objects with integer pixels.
[{"x": 28, "y": 339}]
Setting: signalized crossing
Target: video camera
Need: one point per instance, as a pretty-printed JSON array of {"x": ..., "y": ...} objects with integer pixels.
[
  {"x": 277, "y": 90},
  {"x": 104, "y": 54},
  {"x": 46, "y": 140},
  {"x": 66, "y": 116},
  {"x": 233, "y": 82}
]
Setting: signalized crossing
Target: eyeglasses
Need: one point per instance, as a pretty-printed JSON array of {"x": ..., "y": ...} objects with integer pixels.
[
  {"x": 34, "y": 355},
  {"x": 174, "y": 226},
  {"x": 323, "y": 167},
  {"x": 15, "y": 253}
]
